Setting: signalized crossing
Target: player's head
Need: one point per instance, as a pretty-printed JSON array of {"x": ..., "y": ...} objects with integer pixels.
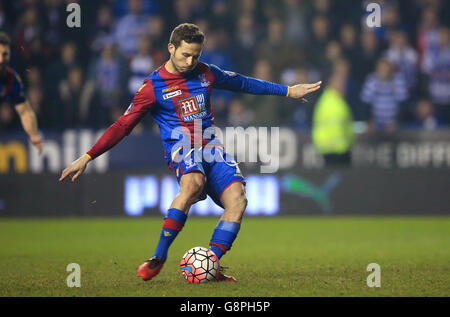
[
  {"x": 384, "y": 69},
  {"x": 185, "y": 47},
  {"x": 5, "y": 51}
]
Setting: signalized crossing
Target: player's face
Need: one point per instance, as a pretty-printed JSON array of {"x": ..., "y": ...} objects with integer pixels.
[
  {"x": 4, "y": 57},
  {"x": 185, "y": 57}
]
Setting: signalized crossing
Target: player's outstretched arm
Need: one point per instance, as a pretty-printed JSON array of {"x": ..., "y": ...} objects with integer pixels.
[
  {"x": 301, "y": 90},
  {"x": 29, "y": 123},
  {"x": 237, "y": 82},
  {"x": 77, "y": 168},
  {"x": 141, "y": 104}
]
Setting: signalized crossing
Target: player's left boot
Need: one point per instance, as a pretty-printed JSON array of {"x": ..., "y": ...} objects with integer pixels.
[
  {"x": 150, "y": 268},
  {"x": 220, "y": 277}
]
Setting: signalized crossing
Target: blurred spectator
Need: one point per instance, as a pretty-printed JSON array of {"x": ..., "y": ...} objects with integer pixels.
[
  {"x": 149, "y": 7},
  {"x": 390, "y": 20},
  {"x": 183, "y": 10},
  {"x": 333, "y": 52},
  {"x": 246, "y": 7},
  {"x": 33, "y": 76},
  {"x": 8, "y": 119},
  {"x": 219, "y": 13},
  {"x": 239, "y": 115},
  {"x": 425, "y": 116},
  {"x": 384, "y": 90},
  {"x": 27, "y": 38},
  {"x": 273, "y": 47},
  {"x": 130, "y": 27},
  {"x": 104, "y": 28},
  {"x": 332, "y": 131},
  {"x": 107, "y": 74},
  {"x": 156, "y": 34},
  {"x": 4, "y": 23},
  {"x": 370, "y": 49},
  {"x": 437, "y": 67},
  {"x": 428, "y": 33},
  {"x": 295, "y": 21},
  {"x": 141, "y": 65},
  {"x": 245, "y": 41},
  {"x": 66, "y": 110},
  {"x": 321, "y": 8},
  {"x": 319, "y": 40},
  {"x": 350, "y": 53},
  {"x": 59, "y": 68},
  {"x": 348, "y": 41},
  {"x": 293, "y": 76},
  {"x": 351, "y": 87},
  {"x": 295, "y": 114},
  {"x": 36, "y": 95},
  {"x": 403, "y": 57},
  {"x": 214, "y": 51},
  {"x": 54, "y": 17},
  {"x": 265, "y": 108}
]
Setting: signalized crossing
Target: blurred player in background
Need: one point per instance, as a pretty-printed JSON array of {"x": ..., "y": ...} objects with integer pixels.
[
  {"x": 177, "y": 95},
  {"x": 11, "y": 89}
]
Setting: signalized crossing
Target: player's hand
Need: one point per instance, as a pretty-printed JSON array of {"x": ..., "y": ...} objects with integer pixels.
[
  {"x": 76, "y": 167},
  {"x": 299, "y": 91},
  {"x": 36, "y": 140}
]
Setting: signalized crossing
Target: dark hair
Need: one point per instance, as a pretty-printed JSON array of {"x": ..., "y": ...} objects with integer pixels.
[
  {"x": 4, "y": 39},
  {"x": 188, "y": 32}
]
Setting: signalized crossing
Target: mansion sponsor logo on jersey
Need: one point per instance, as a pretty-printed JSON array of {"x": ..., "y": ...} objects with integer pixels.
[{"x": 192, "y": 108}]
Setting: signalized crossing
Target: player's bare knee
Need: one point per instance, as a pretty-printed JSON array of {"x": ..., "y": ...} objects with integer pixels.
[
  {"x": 192, "y": 186},
  {"x": 242, "y": 202},
  {"x": 237, "y": 207},
  {"x": 238, "y": 200}
]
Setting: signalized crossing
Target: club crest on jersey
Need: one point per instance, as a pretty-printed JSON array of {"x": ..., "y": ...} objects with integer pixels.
[
  {"x": 172, "y": 94},
  {"x": 203, "y": 81},
  {"x": 189, "y": 163},
  {"x": 192, "y": 108}
]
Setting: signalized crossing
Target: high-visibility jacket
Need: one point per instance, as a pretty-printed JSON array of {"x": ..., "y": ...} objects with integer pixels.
[{"x": 332, "y": 124}]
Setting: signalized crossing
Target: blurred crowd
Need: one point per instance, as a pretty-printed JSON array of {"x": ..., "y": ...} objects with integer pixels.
[{"x": 394, "y": 77}]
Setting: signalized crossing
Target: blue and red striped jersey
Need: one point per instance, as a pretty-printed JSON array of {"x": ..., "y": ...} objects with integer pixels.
[
  {"x": 11, "y": 88},
  {"x": 176, "y": 101}
]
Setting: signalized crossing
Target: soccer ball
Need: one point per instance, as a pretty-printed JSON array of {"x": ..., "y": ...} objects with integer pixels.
[{"x": 199, "y": 265}]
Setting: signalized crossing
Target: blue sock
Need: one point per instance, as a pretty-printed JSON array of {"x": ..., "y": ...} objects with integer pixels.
[
  {"x": 223, "y": 237},
  {"x": 173, "y": 223}
]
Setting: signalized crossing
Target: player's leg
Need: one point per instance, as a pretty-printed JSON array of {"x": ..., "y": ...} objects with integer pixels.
[
  {"x": 191, "y": 187},
  {"x": 226, "y": 187},
  {"x": 234, "y": 202}
]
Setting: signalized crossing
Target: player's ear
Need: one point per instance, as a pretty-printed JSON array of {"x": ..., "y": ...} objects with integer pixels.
[{"x": 171, "y": 48}]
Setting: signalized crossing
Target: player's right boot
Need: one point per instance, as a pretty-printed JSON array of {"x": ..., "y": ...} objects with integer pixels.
[
  {"x": 220, "y": 277},
  {"x": 150, "y": 268}
]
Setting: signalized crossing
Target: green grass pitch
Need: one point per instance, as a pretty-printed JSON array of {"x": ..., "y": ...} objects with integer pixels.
[{"x": 281, "y": 256}]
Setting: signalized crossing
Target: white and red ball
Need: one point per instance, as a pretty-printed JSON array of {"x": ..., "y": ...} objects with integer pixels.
[{"x": 199, "y": 265}]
